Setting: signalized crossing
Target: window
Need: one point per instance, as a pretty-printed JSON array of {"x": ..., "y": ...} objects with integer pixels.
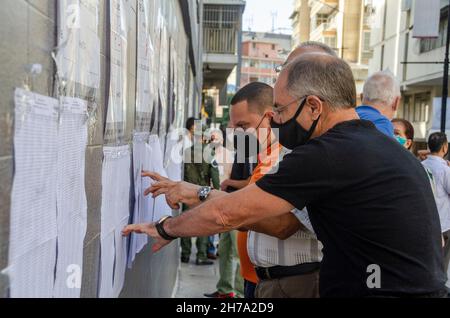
[
  {"x": 253, "y": 63},
  {"x": 266, "y": 65},
  {"x": 366, "y": 49},
  {"x": 427, "y": 45},
  {"x": 366, "y": 42},
  {"x": 416, "y": 107},
  {"x": 330, "y": 41},
  {"x": 407, "y": 110},
  {"x": 321, "y": 18},
  {"x": 421, "y": 107},
  {"x": 254, "y": 46},
  {"x": 221, "y": 16},
  {"x": 267, "y": 80},
  {"x": 273, "y": 47}
]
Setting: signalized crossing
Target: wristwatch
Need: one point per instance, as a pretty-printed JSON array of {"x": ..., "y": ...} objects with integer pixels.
[
  {"x": 160, "y": 228},
  {"x": 203, "y": 193}
]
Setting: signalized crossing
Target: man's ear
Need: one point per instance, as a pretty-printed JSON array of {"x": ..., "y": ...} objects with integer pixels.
[
  {"x": 409, "y": 143},
  {"x": 396, "y": 104},
  {"x": 269, "y": 114},
  {"x": 316, "y": 106}
]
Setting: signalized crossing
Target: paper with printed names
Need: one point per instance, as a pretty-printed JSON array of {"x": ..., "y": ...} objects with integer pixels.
[
  {"x": 173, "y": 162},
  {"x": 71, "y": 196},
  {"x": 33, "y": 224},
  {"x": 161, "y": 208},
  {"x": 143, "y": 206},
  {"x": 78, "y": 57},
  {"x": 115, "y": 213},
  {"x": 145, "y": 62},
  {"x": 118, "y": 75}
]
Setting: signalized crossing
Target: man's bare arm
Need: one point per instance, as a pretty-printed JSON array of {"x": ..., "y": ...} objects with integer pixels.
[
  {"x": 282, "y": 227},
  {"x": 237, "y": 184},
  {"x": 222, "y": 214}
]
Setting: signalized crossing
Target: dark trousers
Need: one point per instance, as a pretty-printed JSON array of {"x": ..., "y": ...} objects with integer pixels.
[
  {"x": 446, "y": 236},
  {"x": 300, "y": 286},
  {"x": 249, "y": 289}
]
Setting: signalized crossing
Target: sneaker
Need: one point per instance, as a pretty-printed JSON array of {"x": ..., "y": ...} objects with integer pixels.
[
  {"x": 203, "y": 262},
  {"x": 216, "y": 294},
  {"x": 184, "y": 259}
]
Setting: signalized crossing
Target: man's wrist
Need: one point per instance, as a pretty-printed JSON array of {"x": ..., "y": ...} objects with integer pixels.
[
  {"x": 203, "y": 193},
  {"x": 161, "y": 227}
]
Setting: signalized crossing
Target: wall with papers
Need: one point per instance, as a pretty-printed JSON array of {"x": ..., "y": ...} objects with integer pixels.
[{"x": 92, "y": 92}]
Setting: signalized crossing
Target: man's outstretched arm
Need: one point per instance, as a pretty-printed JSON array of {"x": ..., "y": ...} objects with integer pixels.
[{"x": 218, "y": 215}]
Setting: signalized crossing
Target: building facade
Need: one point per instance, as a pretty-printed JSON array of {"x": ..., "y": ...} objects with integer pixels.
[
  {"x": 417, "y": 63},
  {"x": 261, "y": 54},
  {"x": 344, "y": 25},
  {"x": 222, "y": 37}
]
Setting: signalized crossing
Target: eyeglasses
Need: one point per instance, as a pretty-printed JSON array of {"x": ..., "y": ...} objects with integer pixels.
[
  {"x": 278, "y": 109},
  {"x": 279, "y": 68}
]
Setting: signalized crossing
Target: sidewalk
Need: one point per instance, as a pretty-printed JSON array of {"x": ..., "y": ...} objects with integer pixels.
[{"x": 194, "y": 281}]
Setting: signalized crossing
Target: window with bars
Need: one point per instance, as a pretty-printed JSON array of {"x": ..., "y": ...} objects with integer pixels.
[
  {"x": 416, "y": 107},
  {"x": 366, "y": 41},
  {"x": 330, "y": 41},
  {"x": 221, "y": 16},
  {"x": 427, "y": 45},
  {"x": 220, "y": 28}
]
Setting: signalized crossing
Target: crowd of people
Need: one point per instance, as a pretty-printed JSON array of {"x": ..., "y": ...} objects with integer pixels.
[{"x": 335, "y": 202}]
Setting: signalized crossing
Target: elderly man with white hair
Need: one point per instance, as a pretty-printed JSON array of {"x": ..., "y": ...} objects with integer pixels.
[{"x": 381, "y": 98}]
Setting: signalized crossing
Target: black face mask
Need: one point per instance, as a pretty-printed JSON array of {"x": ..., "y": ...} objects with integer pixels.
[{"x": 291, "y": 133}]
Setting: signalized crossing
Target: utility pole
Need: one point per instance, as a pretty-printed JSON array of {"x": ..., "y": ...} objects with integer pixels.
[
  {"x": 274, "y": 17},
  {"x": 445, "y": 80}
]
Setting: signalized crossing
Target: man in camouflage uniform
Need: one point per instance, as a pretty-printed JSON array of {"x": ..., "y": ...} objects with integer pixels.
[{"x": 205, "y": 173}]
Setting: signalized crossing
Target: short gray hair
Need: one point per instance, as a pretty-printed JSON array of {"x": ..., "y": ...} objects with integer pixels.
[
  {"x": 382, "y": 88},
  {"x": 327, "y": 77},
  {"x": 319, "y": 46}
]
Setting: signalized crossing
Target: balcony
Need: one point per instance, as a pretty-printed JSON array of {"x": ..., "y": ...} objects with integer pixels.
[
  {"x": 323, "y": 6},
  {"x": 221, "y": 26},
  {"x": 220, "y": 41}
]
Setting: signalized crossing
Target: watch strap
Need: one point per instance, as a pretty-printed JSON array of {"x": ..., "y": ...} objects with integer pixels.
[{"x": 160, "y": 228}]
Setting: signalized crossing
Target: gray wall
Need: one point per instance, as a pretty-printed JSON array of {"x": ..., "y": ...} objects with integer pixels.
[{"x": 28, "y": 35}]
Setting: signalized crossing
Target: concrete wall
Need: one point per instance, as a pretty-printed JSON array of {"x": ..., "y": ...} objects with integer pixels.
[{"x": 28, "y": 35}]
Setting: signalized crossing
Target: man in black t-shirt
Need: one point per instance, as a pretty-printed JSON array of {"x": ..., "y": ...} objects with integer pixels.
[{"x": 369, "y": 201}]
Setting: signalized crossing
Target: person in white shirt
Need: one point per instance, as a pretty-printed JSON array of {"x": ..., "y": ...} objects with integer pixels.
[{"x": 438, "y": 145}]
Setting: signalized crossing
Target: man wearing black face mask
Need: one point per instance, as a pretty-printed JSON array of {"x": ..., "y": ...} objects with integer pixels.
[{"x": 369, "y": 201}]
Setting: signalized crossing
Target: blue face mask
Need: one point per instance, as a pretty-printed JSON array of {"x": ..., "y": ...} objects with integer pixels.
[{"x": 401, "y": 140}]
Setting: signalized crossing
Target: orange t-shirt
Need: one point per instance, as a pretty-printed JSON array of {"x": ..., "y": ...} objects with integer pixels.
[{"x": 266, "y": 161}]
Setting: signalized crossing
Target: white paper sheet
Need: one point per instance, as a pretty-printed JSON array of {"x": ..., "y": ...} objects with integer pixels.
[
  {"x": 114, "y": 216},
  {"x": 32, "y": 274},
  {"x": 118, "y": 76},
  {"x": 144, "y": 98},
  {"x": 161, "y": 208},
  {"x": 33, "y": 225},
  {"x": 174, "y": 155},
  {"x": 71, "y": 194},
  {"x": 78, "y": 58},
  {"x": 143, "y": 207}
]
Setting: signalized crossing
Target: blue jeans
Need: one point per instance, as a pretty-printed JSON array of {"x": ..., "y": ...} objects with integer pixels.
[{"x": 211, "y": 247}]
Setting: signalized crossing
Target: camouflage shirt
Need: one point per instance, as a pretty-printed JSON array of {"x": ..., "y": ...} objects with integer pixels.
[{"x": 205, "y": 173}]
